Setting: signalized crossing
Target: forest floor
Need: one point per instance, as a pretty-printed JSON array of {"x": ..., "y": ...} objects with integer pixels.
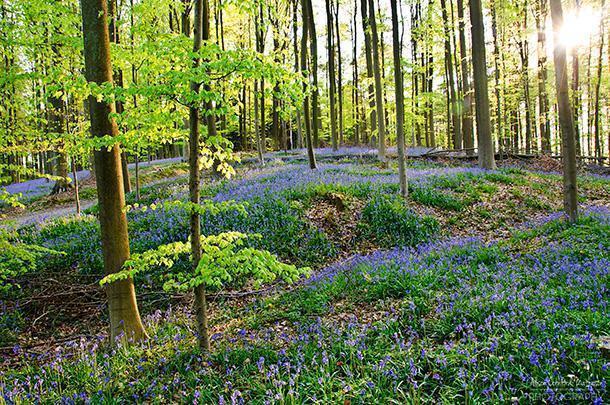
[
  {"x": 40, "y": 205},
  {"x": 473, "y": 290}
]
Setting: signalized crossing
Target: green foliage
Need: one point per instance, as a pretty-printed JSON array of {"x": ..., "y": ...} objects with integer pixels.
[
  {"x": 388, "y": 220},
  {"x": 11, "y": 200},
  {"x": 18, "y": 258},
  {"x": 434, "y": 197},
  {"x": 224, "y": 259}
]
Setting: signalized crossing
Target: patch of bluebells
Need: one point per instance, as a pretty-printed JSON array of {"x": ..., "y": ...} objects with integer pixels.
[
  {"x": 283, "y": 179},
  {"x": 462, "y": 321},
  {"x": 268, "y": 192}
]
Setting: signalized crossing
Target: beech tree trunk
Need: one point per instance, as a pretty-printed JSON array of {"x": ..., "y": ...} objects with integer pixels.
[
  {"x": 524, "y": 54},
  {"x": 576, "y": 96},
  {"x": 400, "y": 104},
  {"x": 308, "y": 122},
  {"x": 467, "y": 125},
  {"x": 313, "y": 49},
  {"x": 125, "y": 320},
  {"x": 455, "y": 121},
  {"x": 339, "y": 72},
  {"x": 200, "y": 25},
  {"x": 369, "y": 67},
  {"x": 543, "y": 100},
  {"x": 568, "y": 150},
  {"x": 295, "y": 12},
  {"x": 597, "y": 127},
  {"x": 378, "y": 85},
  {"x": 357, "y": 122},
  {"x": 479, "y": 62},
  {"x": 118, "y": 80},
  {"x": 497, "y": 90},
  {"x": 57, "y": 125},
  {"x": 331, "y": 76}
]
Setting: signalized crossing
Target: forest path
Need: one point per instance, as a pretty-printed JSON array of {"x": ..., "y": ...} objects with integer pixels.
[{"x": 40, "y": 187}]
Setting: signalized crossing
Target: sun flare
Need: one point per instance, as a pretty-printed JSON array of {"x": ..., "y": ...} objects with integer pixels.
[{"x": 579, "y": 28}]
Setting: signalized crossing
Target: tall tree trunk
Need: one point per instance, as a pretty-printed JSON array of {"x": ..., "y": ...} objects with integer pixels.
[
  {"x": 467, "y": 97},
  {"x": 524, "y": 54},
  {"x": 378, "y": 89},
  {"x": 259, "y": 97},
  {"x": 200, "y": 29},
  {"x": 124, "y": 315},
  {"x": 57, "y": 124},
  {"x": 415, "y": 75},
  {"x": 366, "y": 26},
  {"x": 494, "y": 24},
  {"x": 276, "y": 134},
  {"x": 260, "y": 30},
  {"x": 308, "y": 122},
  {"x": 295, "y": 12},
  {"x": 543, "y": 100},
  {"x": 597, "y": 114},
  {"x": 428, "y": 62},
  {"x": 479, "y": 62},
  {"x": 568, "y": 150},
  {"x": 76, "y": 191},
  {"x": 339, "y": 73},
  {"x": 400, "y": 104},
  {"x": 313, "y": 48},
  {"x": 357, "y": 122},
  {"x": 589, "y": 99},
  {"x": 118, "y": 80},
  {"x": 456, "y": 125},
  {"x": 576, "y": 96},
  {"x": 331, "y": 75}
]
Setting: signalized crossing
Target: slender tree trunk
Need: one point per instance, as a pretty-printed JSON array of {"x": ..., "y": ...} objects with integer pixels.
[
  {"x": 543, "y": 100},
  {"x": 589, "y": 99},
  {"x": 200, "y": 28},
  {"x": 415, "y": 75},
  {"x": 568, "y": 150},
  {"x": 76, "y": 191},
  {"x": 331, "y": 75},
  {"x": 366, "y": 26},
  {"x": 57, "y": 124},
  {"x": 260, "y": 32},
  {"x": 313, "y": 48},
  {"x": 137, "y": 171},
  {"x": 597, "y": 114},
  {"x": 259, "y": 97},
  {"x": 295, "y": 12},
  {"x": 455, "y": 121},
  {"x": 339, "y": 73},
  {"x": 485, "y": 142},
  {"x": 378, "y": 88},
  {"x": 355, "y": 85},
  {"x": 498, "y": 91},
  {"x": 400, "y": 104},
  {"x": 118, "y": 80},
  {"x": 308, "y": 122},
  {"x": 576, "y": 96},
  {"x": 276, "y": 133},
  {"x": 124, "y": 315},
  {"x": 467, "y": 96},
  {"x": 524, "y": 54},
  {"x": 257, "y": 126}
]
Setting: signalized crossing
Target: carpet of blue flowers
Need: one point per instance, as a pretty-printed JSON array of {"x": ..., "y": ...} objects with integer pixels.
[{"x": 414, "y": 309}]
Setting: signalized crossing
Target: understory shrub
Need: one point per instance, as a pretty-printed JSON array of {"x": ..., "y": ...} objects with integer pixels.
[{"x": 389, "y": 221}]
